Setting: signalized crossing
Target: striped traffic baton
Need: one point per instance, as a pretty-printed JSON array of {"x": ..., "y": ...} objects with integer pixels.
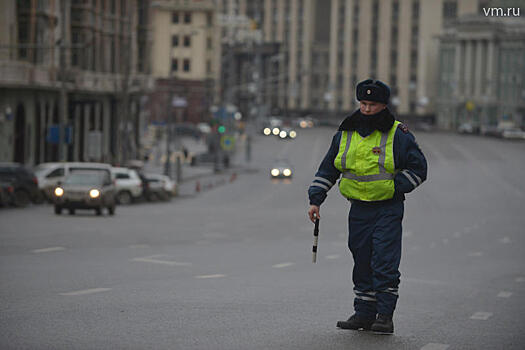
[{"x": 316, "y": 238}]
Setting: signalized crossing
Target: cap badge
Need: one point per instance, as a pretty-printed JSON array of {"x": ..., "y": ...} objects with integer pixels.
[
  {"x": 368, "y": 92},
  {"x": 376, "y": 150}
]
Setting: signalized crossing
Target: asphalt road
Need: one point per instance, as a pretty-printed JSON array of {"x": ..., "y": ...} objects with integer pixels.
[{"x": 230, "y": 267}]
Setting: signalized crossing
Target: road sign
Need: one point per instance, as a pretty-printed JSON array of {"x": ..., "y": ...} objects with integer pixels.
[
  {"x": 179, "y": 102},
  {"x": 227, "y": 142}
]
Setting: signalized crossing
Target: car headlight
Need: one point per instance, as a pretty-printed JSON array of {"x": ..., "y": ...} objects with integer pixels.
[
  {"x": 275, "y": 131},
  {"x": 303, "y": 124},
  {"x": 287, "y": 172},
  {"x": 267, "y": 131},
  {"x": 293, "y": 134},
  {"x": 94, "y": 193},
  {"x": 282, "y": 134},
  {"x": 59, "y": 192},
  {"x": 275, "y": 172}
]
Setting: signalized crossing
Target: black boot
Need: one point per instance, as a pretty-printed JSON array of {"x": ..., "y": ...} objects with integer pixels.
[
  {"x": 383, "y": 325},
  {"x": 356, "y": 322}
]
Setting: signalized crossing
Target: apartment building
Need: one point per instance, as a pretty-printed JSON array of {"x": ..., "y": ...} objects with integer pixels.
[
  {"x": 185, "y": 59},
  {"x": 482, "y": 72},
  {"x": 76, "y": 66}
]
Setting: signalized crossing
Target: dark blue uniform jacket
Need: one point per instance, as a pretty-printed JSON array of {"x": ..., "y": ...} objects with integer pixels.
[{"x": 409, "y": 160}]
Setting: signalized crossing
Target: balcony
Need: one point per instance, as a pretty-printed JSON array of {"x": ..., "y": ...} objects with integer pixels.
[{"x": 22, "y": 74}]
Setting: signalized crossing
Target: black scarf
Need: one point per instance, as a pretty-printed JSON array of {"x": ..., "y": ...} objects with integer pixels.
[{"x": 381, "y": 121}]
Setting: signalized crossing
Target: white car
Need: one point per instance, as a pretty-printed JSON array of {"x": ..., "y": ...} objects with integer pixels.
[
  {"x": 49, "y": 175},
  {"x": 128, "y": 185},
  {"x": 161, "y": 186}
]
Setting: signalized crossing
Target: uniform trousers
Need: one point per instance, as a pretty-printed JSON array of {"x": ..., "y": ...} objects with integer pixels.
[{"x": 375, "y": 242}]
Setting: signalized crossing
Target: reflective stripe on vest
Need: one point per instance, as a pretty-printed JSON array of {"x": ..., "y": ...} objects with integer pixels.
[{"x": 367, "y": 164}]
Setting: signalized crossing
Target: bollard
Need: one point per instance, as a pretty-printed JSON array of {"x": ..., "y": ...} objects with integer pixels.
[
  {"x": 233, "y": 177},
  {"x": 197, "y": 186}
]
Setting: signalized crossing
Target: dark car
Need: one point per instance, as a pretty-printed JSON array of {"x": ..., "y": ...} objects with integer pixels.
[
  {"x": 281, "y": 169},
  {"x": 86, "y": 189},
  {"x": 23, "y": 181}
]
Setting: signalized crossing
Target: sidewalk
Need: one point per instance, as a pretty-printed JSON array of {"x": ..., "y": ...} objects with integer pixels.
[{"x": 156, "y": 162}]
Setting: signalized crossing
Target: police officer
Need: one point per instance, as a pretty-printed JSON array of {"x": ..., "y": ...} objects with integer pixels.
[{"x": 378, "y": 161}]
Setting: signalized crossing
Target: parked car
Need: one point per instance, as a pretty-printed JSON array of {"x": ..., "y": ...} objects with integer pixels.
[
  {"x": 513, "y": 133},
  {"x": 23, "y": 181},
  {"x": 86, "y": 189},
  {"x": 50, "y": 174},
  {"x": 161, "y": 187},
  {"x": 128, "y": 185}
]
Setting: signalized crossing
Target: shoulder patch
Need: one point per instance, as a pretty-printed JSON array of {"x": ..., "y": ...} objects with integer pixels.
[{"x": 403, "y": 128}]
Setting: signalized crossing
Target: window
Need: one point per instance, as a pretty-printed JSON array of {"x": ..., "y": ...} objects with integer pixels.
[
  {"x": 186, "y": 65},
  {"x": 450, "y": 9},
  {"x": 174, "y": 65},
  {"x": 209, "y": 44},
  {"x": 122, "y": 176},
  {"x": 187, "y": 41},
  {"x": 58, "y": 172},
  {"x": 208, "y": 66},
  {"x": 187, "y": 17},
  {"x": 209, "y": 19},
  {"x": 175, "y": 17},
  {"x": 174, "y": 40}
]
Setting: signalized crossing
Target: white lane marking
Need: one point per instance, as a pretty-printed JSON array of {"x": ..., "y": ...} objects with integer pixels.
[
  {"x": 504, "y": 294},
  {"x": 409, "y": 234},
  {"x": 332, "y": 257},
  {"x": 435, "y": 346},
  {"x": 154, "y": 260},
  {"x": 139, "y": 246},
  {"x": 210, "y": 276},
  {"x": 475, "y": 254},
  {"x": 343, "y": 235},
  {"x": 456, "y": 234},
  {"x": 445, "y": 240},
  {"x": 520, "y": 279},
  {"x": 480, "y": 315},
  {"x": 286, "y": 264},
  {"x": 47, "y": 250},
  {"x": 433, "y": 245},
  {"x": 505, "y": 240},
  {"x": 86, "y": 291}
]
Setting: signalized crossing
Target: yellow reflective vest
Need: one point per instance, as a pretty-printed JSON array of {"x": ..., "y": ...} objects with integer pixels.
[{"x": 367, "y": 165}]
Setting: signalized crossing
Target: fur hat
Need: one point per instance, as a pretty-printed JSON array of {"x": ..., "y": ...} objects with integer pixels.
[{"x": 372, "y": 90}]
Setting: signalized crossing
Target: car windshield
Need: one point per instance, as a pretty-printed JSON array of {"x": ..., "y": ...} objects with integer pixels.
[
  {"x": 39, "y": 169},
  {"x": 85, "y": 178}
]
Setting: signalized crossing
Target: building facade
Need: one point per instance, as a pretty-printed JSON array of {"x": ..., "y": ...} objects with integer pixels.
[
  {"x": 73, "y": 77},
  {"x": 186, "y": 58},
  {"x": 327, "y": 47},
  {"x": 482, "y": 72}
]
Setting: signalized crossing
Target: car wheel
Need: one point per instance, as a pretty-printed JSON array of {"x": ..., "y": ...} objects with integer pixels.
[
  {"x": 124, "y": 197},
  {"x": 71, "y": 211},
  {"x": 98, "y": 211},
  {"x": 111, "y": 210},
  {"x": 21, "y": 198},
  {"x": 58, "y": 210}
]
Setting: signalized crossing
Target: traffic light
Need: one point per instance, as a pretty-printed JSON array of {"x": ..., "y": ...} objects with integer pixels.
[{"x": 221, "y": 129}]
